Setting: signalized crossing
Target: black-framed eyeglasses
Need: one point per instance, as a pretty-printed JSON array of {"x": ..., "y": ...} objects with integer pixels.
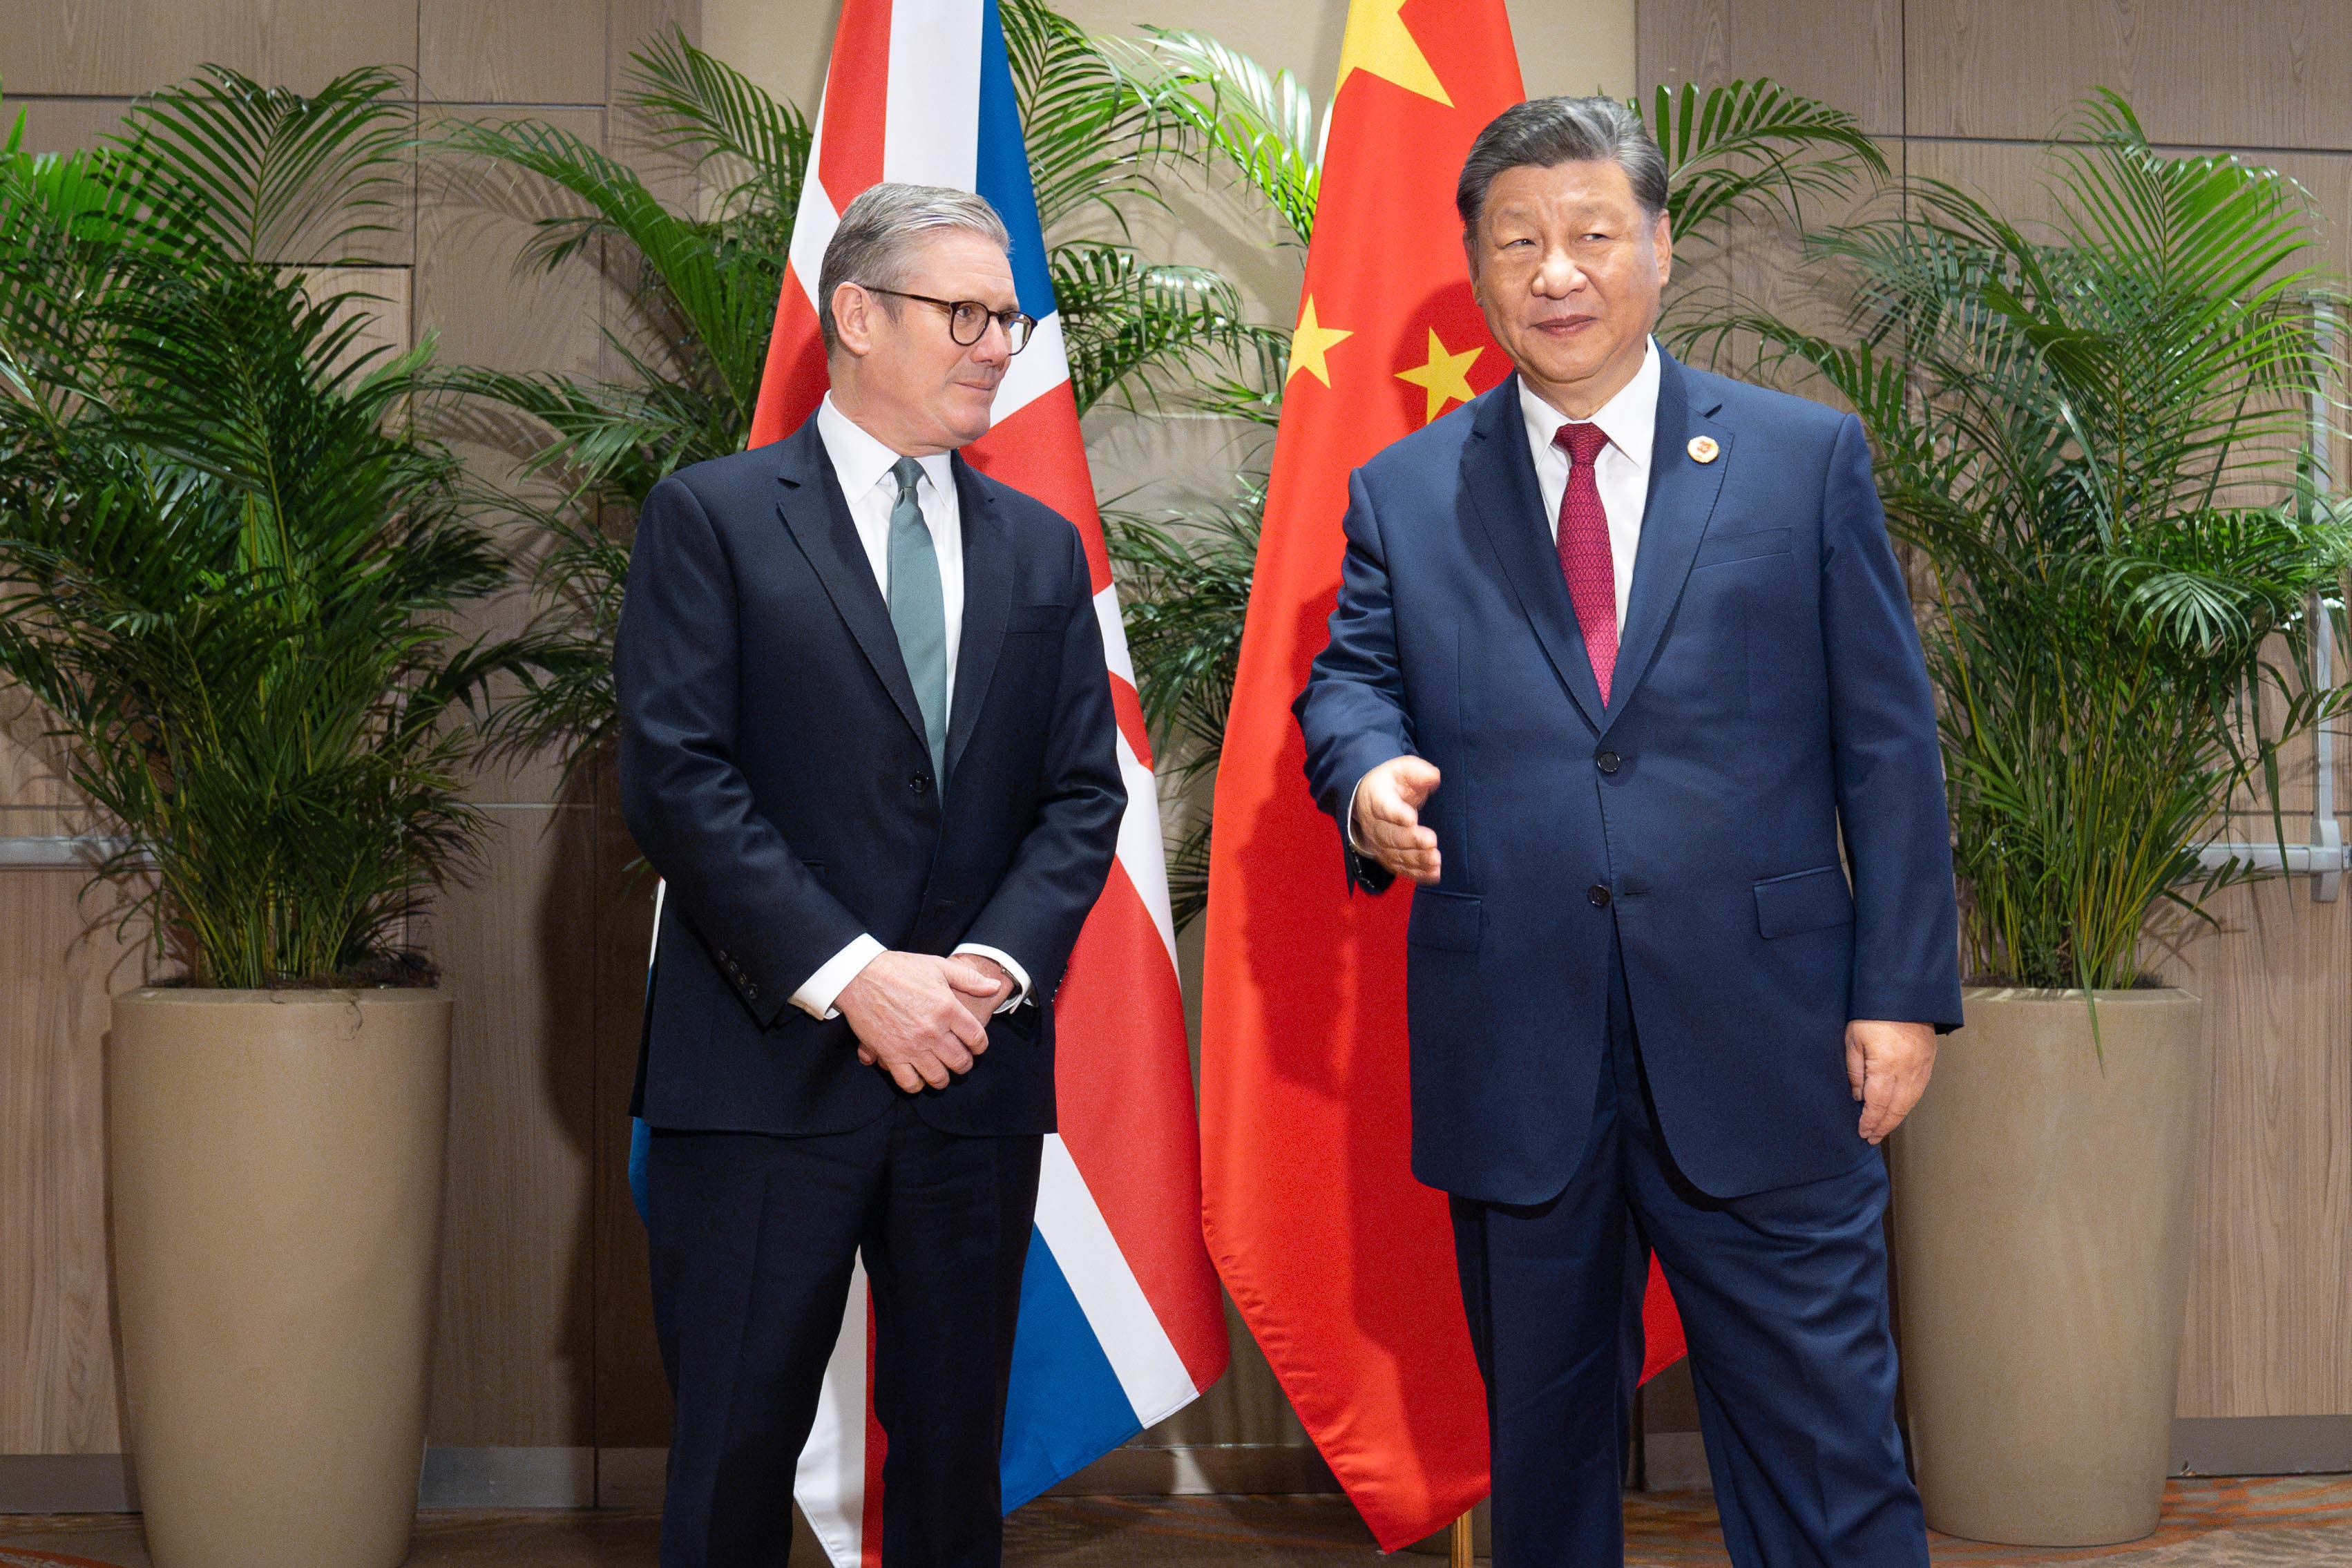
[{"x": 967, "y": 319}]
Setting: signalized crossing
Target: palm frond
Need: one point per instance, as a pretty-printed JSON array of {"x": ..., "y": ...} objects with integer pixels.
[
  {"x": 265, "y": 174},
  {"x": 724, "y": 122},
  {"x": 1219, "y": 110},
  {"x": 1142, "y": 330},
  {"x": 1755, "y": 147}
]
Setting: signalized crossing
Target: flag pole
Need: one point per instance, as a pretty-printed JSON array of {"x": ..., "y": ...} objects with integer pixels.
[{"x": 1464, "y": 1544}]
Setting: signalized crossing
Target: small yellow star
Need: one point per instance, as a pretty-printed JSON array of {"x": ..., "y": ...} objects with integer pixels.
[
  {"x": 1378, "y": 41},
  {"x": 1446, "y": 377},
  {"x": 1310, "y": 342}
]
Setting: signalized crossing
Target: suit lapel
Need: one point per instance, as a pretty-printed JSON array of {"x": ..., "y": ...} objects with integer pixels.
[
  {"x": 1681, "y": 500},
  {"x": 1500, "y": 477},
  {"x": 987, "y": 605},
  {"x": 817, "y": 515}
]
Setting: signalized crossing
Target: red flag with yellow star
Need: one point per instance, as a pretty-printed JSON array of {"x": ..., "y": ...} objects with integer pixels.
[{"x": 1341, "y": 1263}]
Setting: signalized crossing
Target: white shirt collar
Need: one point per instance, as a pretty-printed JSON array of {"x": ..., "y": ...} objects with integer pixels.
[
  {"x": 860, "y": 462},
  {"x": 1630, "y": 419}
]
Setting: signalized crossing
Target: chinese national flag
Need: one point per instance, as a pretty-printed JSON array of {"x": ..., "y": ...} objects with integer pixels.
[{"x": 1341, "y": 1263}]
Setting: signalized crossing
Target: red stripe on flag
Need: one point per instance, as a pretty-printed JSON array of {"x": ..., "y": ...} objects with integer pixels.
[
  {"x": 1127, "y": 1116},
  {"x": 792, "y": 382},
  {"x": 1038, "y": 451},
  {"x": 1129, "y": 706},
  {"x": 1662, "y": 1326},
  {"x": 869, "y": 1529},
  {"x": 856, "y": 101}
]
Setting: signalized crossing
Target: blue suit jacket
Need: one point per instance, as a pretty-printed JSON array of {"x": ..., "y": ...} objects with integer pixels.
[
  {"x": 774, "y": 770},
  {"x": 1769, "y": 692}
]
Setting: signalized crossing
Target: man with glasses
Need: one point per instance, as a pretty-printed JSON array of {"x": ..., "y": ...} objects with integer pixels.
[{"x": 867, "y": 740}]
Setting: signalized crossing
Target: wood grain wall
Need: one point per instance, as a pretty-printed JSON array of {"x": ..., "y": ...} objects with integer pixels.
[
  {"x": 544, "y": 1336},
  {"x": 1963, "y": 90}
]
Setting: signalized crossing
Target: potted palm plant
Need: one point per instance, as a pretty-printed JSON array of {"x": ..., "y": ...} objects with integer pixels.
[
  {"x": 2088, "y": 432},
  {"x": 227, "y": 572}
]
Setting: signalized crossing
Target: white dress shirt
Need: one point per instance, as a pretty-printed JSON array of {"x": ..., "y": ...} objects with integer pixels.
[
  {"x": 1622, "y": 473},
  {"x": 863, "y": 466}
]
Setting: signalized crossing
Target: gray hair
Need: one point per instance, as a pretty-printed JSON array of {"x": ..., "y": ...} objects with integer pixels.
[
  {"x": 1544, "y": 132},
  {"x": 878, "y": 235}
]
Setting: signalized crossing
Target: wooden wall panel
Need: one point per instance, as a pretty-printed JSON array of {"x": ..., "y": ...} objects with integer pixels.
[
  {"x": 633, "y": 1403},
  {"x": 2269, "y": 1313},
  {"x": 120, "y": 47},
  {"x": 512, "y": 51},
  {"x": 58, "y": 964},
  {"x": 473, "y": 220},
  {"x": 513, "y": 1359},
  {"x": 1844, "y": 52},
  {"x": 2259, "y": 73},
  {"x": 32, "y": 765}
]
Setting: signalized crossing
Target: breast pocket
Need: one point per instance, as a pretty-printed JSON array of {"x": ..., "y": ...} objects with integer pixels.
[
  {"x": 1731, "y": 547},
  {"x": 1036, "y": 618}
]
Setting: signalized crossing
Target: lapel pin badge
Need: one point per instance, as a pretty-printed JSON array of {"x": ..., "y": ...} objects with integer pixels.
[{"x": 1703, "y": 449}]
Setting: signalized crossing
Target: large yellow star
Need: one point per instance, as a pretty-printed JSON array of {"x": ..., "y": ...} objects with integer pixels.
[
  {"x": 1378, "y": 41},
  {"x": 1446, "y": 377},
  {"x": 1309, "y": 342}
]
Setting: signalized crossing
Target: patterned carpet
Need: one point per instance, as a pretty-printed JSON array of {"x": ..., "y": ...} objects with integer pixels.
[{"x": 2207, "y": 1524}]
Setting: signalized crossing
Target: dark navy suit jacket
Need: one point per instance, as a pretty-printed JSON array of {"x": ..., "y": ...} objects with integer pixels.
[
  {"x": 1769, "y": 699},
  {"x": 774, "y": 770}
]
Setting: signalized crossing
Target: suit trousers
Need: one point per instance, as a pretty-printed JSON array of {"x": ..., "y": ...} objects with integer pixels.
[
  {"x": 1783, "y": 1300},
  {"x": 753, "y": 1239}
]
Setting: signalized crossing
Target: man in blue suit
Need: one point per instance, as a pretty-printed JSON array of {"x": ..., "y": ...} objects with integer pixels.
[{"x": 1622, "y": 660}]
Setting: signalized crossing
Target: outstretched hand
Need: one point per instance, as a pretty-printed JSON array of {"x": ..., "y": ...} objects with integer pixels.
[{"x": 1386, "y": 825}]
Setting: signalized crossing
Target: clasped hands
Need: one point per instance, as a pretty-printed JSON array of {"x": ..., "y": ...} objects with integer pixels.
[
  {"x": 1887, "y": 1063},
  {"x": 923, "y": 1019}
]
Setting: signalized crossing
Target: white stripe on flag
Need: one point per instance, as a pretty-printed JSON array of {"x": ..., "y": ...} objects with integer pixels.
[
  {"x": 830, "y": 1485},
  {"x": 1140, "y": 849},
  {"x": 931, "y": 135},
  {"x": 811, "y": 232},
  {"x": 1035, "y": 371},
  {"x": 1114, "y": 634},
  {"x": 1150, "y": 1370}
]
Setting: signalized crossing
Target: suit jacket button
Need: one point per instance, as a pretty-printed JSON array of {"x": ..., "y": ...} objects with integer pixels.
[
  {"x": 920, "y": 783},
  {"x": 1606, "y": 762},
  {"x": 751, "y": 990},
  {"x": 1598, "y": 895}
]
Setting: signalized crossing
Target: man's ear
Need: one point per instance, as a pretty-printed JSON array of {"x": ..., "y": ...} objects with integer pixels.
[
  {"x": 852, "y": 323},
  {"x": 1663, "y": 237}
]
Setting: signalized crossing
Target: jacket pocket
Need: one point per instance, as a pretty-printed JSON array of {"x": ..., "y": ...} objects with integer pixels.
[
  {"x": 1448, "y": 920},
  {"x": 1742, "y": 547},
  {"x": 1037, "y": 618},
  {"x": 1803, "y": 901}
]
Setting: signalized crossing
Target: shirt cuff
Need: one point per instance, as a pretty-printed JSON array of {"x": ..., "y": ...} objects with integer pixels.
[
  {"x": 1020, "y": 975},
  {"x": 1353, "y": 842},
  {"x": 815, "y": 997}
]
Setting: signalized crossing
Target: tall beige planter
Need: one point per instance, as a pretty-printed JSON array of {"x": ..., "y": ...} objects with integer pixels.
[
  {"x": 276, "y": 1165},
  {"x": 2041, "y": 1210}
]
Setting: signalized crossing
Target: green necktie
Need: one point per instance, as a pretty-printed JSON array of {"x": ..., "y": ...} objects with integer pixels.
[{"x": 919, "y": 612}]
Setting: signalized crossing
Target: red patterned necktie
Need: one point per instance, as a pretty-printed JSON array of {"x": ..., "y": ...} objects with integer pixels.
[{"x": 1584, "y": 558}]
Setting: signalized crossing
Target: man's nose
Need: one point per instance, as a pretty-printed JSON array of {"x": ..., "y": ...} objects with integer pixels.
[
  {"x": 995, "y": 345},
  {"x": 1559, "y": 277}
]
